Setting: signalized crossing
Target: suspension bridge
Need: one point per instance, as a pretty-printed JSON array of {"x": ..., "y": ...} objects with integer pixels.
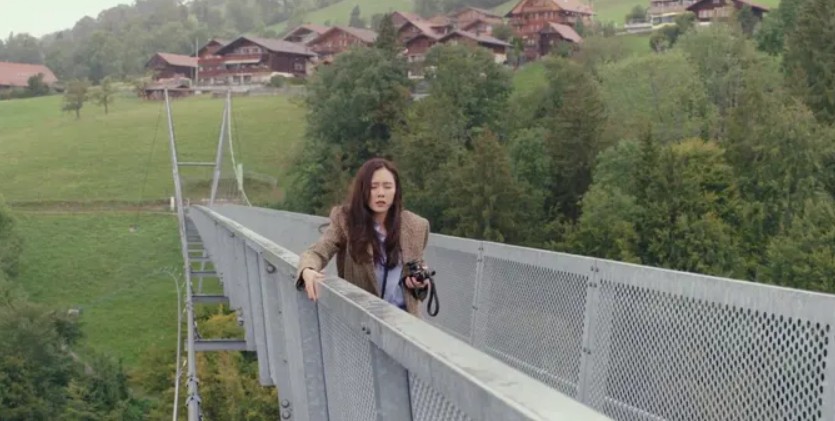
[{"x": 522, "y": 334}]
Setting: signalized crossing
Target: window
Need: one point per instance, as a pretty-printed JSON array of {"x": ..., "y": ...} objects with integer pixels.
[{"x": 299, "y": 67}]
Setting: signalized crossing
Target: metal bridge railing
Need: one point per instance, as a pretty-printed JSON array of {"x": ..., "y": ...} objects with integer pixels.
[
  {"x": 351, "y": 356},
  {"x": 633, "y": 342}
]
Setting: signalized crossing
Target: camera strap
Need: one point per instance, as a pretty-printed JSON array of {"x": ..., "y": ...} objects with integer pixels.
[{"x": 433, "y": 297}]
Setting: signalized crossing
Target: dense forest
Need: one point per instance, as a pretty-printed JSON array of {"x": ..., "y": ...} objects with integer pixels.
[{"x": 715, "y": 155}]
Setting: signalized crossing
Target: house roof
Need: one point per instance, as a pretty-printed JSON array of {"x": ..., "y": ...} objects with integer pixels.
[
  {"x": 178, "y": 59},
  {"x": 568, "y": 33},
  {"x": 748, "y": 2},
  {"x": 271, "y": 44},
  {"x": 18, "y": 74},
  {"x": 481, "y": 39},
  {"x": 567, "y": 5},
  {"x": 441, "y": 20},
  {"x": 409, "y": 16},
  {"x": 424, "y": 26},
  {"x": 311, "y": 27},
  {"x": 365, "y": 35},
  {"x": 484, "y": 12}
]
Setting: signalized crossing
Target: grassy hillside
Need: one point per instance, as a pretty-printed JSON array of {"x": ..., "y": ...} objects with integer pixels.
[
  {"x": 52, "y": 156},
  {"x": 339, "y": 13},
  {"x": 94, "y": 262}
]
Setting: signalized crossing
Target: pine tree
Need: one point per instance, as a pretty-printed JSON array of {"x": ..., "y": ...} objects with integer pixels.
[
  {"x": 387, "y": 36},
  {"x": 485, "y": 200}
]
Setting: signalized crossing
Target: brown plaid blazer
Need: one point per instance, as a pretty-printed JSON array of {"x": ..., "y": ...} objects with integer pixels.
[{"x": 414, "y": 234}]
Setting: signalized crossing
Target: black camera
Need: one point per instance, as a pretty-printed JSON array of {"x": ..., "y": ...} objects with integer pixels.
[{"x": 415, "y": 269}]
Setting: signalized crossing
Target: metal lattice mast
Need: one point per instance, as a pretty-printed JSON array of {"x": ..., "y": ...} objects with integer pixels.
[{"x": 193, "y": 400}]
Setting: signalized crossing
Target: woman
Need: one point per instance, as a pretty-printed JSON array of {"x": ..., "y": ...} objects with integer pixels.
[{"x": 373, "y": 237}]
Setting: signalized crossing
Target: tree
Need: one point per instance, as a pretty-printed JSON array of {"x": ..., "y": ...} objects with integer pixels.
[
  {"x": 502, "y": 31},
  {"x": 771, "y": 36},
  {"x": 472, "y": 82},
  {"x": 356, "y": 20},
  {"x": 572, "y": 112},
  {"x": 485, "y": 200},
  {"x": 663, "y": 91},
  {"x": 804, "y": 255},
  {"x": 728, "y": 64},
  {"x": 387, "y": 36},
  {"x": 75, "y": 96},
  {"x": 354, "y": 106},
  {"x": 105, "y": 93},
  {"x": 36, "y": 87},
  {"x": 811, "y": 56},
  {"x": 637, "y": 14},
  {"x": 746, "y": 19},
  {"x": 11, "y": 243}
]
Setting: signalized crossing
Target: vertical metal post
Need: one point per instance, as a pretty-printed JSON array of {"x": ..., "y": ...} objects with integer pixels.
[
  {"x": 219, "y": 155},
  {"x": 277, "y": 339},
  {"x": 253, "y": 277},
  {"x": 591, "y": 369},
  {"x": 304, "y": 350},
  {"x": 391, "y": 387},
  {"x": 476, "y": 336},
  {"x": 194, "y": 395}
]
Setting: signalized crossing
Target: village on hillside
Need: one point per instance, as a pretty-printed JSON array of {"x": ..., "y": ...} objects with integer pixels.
[{"x": 530, "y": 30}]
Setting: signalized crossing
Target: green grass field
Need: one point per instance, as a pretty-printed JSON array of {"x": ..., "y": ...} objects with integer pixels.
[
  {"x": 116, "y": 277},
  {"x": 340, "y": 13},
  {"x": 50, "y": 156}
]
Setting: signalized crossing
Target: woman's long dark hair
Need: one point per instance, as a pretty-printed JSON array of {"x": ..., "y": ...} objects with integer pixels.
[{"x": 360, "y": 219}]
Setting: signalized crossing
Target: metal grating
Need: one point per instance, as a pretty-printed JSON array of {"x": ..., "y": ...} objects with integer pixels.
[
  {"x": 535, "y": 319},
  {"x": 349, "y": 379},
  {"x": 429, "y": 405},
  {"x": 455, "y": 280},
  {"x": 681, "y": 358}
]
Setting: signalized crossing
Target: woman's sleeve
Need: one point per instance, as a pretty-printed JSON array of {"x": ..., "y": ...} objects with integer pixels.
[{"x": 320, "y": 253}]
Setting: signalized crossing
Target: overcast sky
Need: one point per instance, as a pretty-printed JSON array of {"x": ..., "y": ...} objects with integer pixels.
[{"x": 40, "y": 17}]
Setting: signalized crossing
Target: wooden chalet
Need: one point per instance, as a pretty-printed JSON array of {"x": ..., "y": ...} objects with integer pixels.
[
  {"x": 256, "y": 60},
  {"x": 554, "y": 34},
  {"x": 410, "y": 25},
  {"x": 709, "y": 10},
  {"x": 529, "y": 17},
  {"x": 305, "y": 33},
  {"x": 16, "y": 75},
  {"x": 168, "y": 66},
  {"x": 339, "y": 39}
]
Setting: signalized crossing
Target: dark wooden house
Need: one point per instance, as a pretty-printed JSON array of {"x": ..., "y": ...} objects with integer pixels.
[
  {"x": 413, "y": 25},
  {"x": 256, "y": 60},
  {"x": 709, "y": 10},
  {"x": 339, "y": 39},
  {"x": 168, "y": 66},
  {"x": 529, "y": 17}
]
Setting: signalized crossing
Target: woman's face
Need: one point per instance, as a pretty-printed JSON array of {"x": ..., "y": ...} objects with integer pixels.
[{"x": 382, "y": 191}]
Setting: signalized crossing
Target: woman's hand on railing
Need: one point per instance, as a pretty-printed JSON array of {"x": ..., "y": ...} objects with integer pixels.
[{"x": 311, "y": 283}]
